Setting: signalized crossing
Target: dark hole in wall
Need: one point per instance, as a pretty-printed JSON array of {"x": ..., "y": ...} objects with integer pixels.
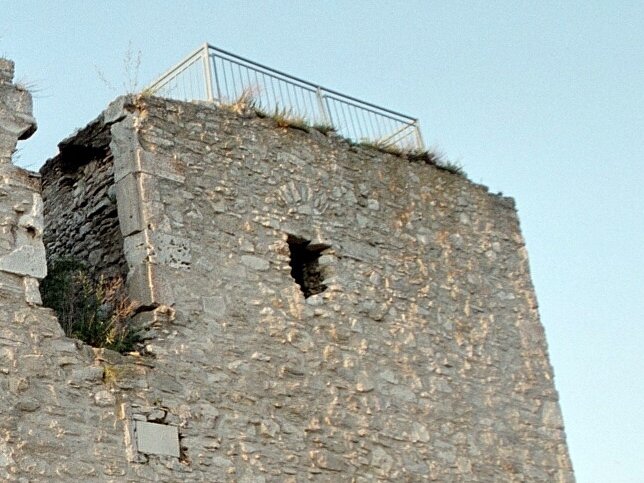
[
  {"x": 305, "y": 268},
  {"x": 70, "y": 155}
]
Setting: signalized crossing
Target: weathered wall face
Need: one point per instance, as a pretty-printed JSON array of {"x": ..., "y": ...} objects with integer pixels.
[
  {"x": 424, "y": 358},
  {"x": 58, "y": 420},
  {"x": 22, "y": 255},
  {"x": 80, "y": 204}
]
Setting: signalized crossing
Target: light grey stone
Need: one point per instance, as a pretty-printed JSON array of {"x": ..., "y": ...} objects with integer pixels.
[
  {"x": 32, "y": 293},
  {"x": 104, "y": 398},
  {"x": 214, "y": 306},
  {"x": 130, "y": 211},
  {"x": 160, "y": 439},
  {"x": 26, "y": 260},
  {"x": 255, "y": 263},
  {"x": 327, "y": 460}
]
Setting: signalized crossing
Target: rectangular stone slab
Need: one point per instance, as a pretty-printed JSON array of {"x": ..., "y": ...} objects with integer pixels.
[{"x": 153, "y": 438}]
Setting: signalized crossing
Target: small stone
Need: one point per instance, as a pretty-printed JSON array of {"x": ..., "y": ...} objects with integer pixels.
[
  {"x": 221, "y": 462},
  {"x": 32, "y": 293},
  {"x": 28, "y": 405},
  {"x": 214, "y": 306},
  {"x": 260, "y": 357},
  {"x": 381, "y": 459},
  {"x": 156, "y": 415},
  {"x": 104, "y": 399},
  {"x": 89, "y": 374},
  {"x": 328, "y": 461},
  {"x": 269, "y": 428},
  {"x": 419, "y": 433},
  {"x": 254, "y": 262}
]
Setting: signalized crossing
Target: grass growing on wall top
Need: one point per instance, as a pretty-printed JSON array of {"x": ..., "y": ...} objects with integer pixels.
[{"x": 428, "y": 156}]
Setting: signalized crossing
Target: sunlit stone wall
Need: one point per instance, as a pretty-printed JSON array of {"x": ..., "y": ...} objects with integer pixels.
[
  {"x": 312, "y": 310},
  {"x": 55, "y": 424},
  {"x": 422, "y": 358},
  {"x": 22, "y": 254}
]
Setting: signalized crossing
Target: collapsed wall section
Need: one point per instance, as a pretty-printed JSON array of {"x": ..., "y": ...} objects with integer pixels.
[
  {"x": 80, "y": 203},
  {"x": 22, "y": 255}
]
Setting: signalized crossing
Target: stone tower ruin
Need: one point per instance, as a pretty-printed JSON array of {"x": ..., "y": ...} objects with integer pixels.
[{"x": 310, "y": 309}]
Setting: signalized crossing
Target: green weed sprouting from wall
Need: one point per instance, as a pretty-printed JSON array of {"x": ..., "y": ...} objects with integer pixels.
[{"x": 96, "y": 312}]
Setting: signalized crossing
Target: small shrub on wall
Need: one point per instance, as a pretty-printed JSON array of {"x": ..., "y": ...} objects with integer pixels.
[{"x": 96, "y": 312}]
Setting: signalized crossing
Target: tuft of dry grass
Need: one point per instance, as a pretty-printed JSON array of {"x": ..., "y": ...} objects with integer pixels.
[
  {"x": 121, "y": 310},
  {"x": 324, "y": 128},
  {"x": 244, "y": 104},
  {"x": 285, "y": 118},
  {"x": 131, "y": 71},
  {"x": 429, "y": 156}
]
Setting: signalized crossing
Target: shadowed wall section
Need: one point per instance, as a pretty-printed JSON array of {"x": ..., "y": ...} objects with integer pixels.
[{"x": 80, "y": 203}]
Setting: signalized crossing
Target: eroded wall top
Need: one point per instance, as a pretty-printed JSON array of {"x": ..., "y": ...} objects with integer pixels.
[
  {"x": 22, "y": 254},
  {"x": 15, "y": 112},
  {"x": 53, "y": 416}
]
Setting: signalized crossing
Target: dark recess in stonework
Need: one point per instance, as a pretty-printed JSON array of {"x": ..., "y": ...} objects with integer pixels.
[{"x": 305, "y": 268}]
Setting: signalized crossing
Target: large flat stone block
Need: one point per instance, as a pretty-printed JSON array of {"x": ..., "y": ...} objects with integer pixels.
[
  {"x": 153, "y": 438},
  {"x": 130, "y": 210}
]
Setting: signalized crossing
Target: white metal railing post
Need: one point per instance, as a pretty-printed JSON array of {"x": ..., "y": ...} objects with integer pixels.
[
  {"x": 323, "y": 108},
  {"x": 205, "y": 56},
  {"x": 419, "y": 136}
]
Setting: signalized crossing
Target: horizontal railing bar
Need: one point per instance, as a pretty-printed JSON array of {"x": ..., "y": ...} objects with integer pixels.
[
  {"x": 271, "y": 72},
  {"x": 406, "y": 119},
  {"x": 315, "y": 86}
]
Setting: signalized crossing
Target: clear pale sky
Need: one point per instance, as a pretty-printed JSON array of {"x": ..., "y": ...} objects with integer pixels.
[{"x": 541, "y": 100}]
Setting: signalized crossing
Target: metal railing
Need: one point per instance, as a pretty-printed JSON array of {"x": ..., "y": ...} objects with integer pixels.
[{"x": 212, "y": 74}]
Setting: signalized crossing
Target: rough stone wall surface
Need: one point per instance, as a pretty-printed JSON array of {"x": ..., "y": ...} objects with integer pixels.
[
  {"x": 15, "y": 112},
  {"x": 22, "y": 254},
  {"x": 58, "y": 421},
  {"x": 80, "y": 212},
  {"x": 424, "y": 359}
]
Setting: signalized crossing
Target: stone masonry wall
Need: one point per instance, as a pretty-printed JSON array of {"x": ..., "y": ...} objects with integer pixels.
[
  {"x": 22, "y": 256},
  {"x": 424, "y": 358},
  {"x": 80, "y": 204},
  {"x": 58, "y": 420}
]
